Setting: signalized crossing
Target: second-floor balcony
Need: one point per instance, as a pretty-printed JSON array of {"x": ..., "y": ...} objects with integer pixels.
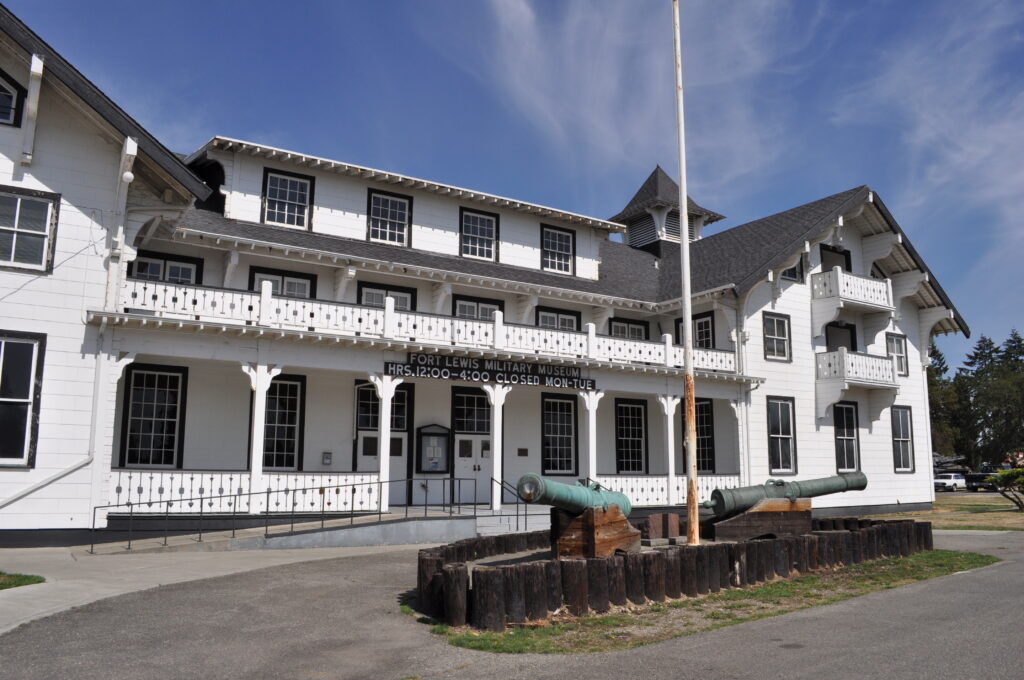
[
  {"x": 837, "y": 290},
  {"x": 264, "y": 310},
  {"x": 856, "y": 368}
]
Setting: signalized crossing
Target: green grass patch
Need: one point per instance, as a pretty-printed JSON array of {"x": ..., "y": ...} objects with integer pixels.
[
  {"x": 15, "y": 580},
  {"x": 632, "y": 626}
]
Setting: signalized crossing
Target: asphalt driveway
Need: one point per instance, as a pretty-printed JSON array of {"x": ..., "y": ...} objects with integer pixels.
[{"x": 339, "y": 618}]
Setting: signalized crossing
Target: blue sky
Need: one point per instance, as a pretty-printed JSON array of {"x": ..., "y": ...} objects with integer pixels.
[{"x": 571, "y": 103}]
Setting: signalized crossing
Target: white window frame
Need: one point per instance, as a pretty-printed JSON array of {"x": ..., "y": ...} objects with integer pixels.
[
  {"x": 403, "y": 300},
  {"x": 307, "y": 207},
  {"x": 179, "y": 419},
  {"x": 902, "y": 439},
  {"x": 279, "y": 284},
  {"x": 896, "y": 346},
  {"x": 482, "y": 310},
  {"x": 785, "y": 405},
  {"x": 786, "y": 338},
  {"x": 470, "y": 242},
  {"x": 31, "y": 401},
  {"x": 165, "y": 264},
  {"x": 298, "y": 425},
  {"x": 557, "y": 321},
  {"x": 570, "y": 263},
  {"x": 386, "y": 223},
  {"x": 574, "y": 436},
  {"x": 15, "y": 229},
  {"x": 627, "y": 330},
  {"x": 630, "y": 416}
]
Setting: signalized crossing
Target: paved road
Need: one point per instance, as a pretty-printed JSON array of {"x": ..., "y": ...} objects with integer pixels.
[{"x": 338, "y": 618}]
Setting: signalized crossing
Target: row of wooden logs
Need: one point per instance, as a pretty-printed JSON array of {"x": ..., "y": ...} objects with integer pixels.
[{"x": 513, "y": 594}]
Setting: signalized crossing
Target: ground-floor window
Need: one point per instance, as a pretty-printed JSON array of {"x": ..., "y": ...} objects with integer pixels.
[
  {"x": 845, "y": 417},
  {"x": 705, "y": 435},
  {"x": 285, "y": 413},
  {"x": 154, "y": 416},
  {"x": 902, "y": 439},
  {"x": 630, "y": 435},
  {"x": 367, "y": 416},
  {"x": 471, "y": 412},
  {"x": 21, "y": 372},
  {"x": 781, "y": 436},
  {"x": 558, "y": 434}
]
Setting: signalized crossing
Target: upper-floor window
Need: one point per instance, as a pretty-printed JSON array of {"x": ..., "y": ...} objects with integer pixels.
[
  {"x": 896, "y": 346},
  {"x": 27, "y": 221},
  {"x": 844, "y": 414},
  {"x": 781, "y": 436},
  {"x": 558, "y": 319},
  {"x": 373, "y": 295},
  {"x": 703, "y": 331},
  {"x": 12, "y": 100},
  {"x": 558, "y": 249},
  {"x": 179, "y": 269},
  {"x": 777, "y": 346},
  {"x": 289, "y": 284},
  {"x": 475, "y": 308},
  {"x": 287, "y": 198},
  {"x": 902, "y": 439},
  {"x": 832, "y": 257},
  {"x": 478, "y": 234},
  {"x": 627, "y": 328},
  {"x": 796, "y": 272},
  {"x": 389, "y": 217},
  {"x": 21, "y": 373}
]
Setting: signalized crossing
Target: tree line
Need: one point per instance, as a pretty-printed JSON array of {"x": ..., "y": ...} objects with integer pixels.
[{"x": 978, "y": 411}]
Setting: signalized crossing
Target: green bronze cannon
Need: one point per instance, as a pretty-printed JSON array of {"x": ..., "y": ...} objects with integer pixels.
[
  {"x": 728, "y": 502},
  {"x": 574, "y": 498}
]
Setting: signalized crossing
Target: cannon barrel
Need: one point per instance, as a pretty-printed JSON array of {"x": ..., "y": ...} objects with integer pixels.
[
  {"x": 727, "y": 502},
  {"x": 574, "y": 498}
]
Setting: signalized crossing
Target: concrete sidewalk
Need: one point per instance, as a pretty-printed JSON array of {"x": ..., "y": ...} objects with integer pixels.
[{"x": 74, "y": 577}]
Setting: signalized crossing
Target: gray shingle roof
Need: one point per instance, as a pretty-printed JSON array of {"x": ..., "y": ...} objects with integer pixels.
[
  {"x": 57, "y": 66},
  {"x": 660, "y": 190}
]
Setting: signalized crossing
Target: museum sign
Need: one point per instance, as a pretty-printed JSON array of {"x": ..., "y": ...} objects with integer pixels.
[{"x": 502, "y": 371}]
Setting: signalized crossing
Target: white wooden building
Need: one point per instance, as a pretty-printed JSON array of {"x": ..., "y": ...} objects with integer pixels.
[{"x": 250, "y": 321}]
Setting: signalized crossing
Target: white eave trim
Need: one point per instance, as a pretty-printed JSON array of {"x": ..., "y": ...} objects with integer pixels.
[{"x": 385, "y": 177}]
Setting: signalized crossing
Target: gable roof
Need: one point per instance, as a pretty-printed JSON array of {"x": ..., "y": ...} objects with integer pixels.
[
  {"x": 661, "y": 191},
  {"x": 83, "y": 88}
]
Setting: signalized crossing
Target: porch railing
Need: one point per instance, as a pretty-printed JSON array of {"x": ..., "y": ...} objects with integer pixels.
[
  {"x": 838, "y": 283},
  {"x": 652, "y": 490},
  {"x": 856, "y": 367},
  {"x": 262, "y": 309}
]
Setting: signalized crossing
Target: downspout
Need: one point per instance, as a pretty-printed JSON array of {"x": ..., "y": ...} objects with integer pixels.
[{"x": 741, "y": 366}]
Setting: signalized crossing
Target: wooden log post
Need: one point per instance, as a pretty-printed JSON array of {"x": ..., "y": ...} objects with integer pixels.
[
  {"x": 926, "y": 530},
  {"x": 428, "y": 563},
  {"x": 780, "y": 558},
  {"x": 634, "y": 570},
  {"x": 737, "y": 565},
  {"x": 574, "y": 586},
  {"x": 597, "y": 584},
  {"x": 703, "y": 564},
  {"x": 847, "y": 539},
  {"x": 536, "y": 590},
  {"x": 515, "y": 593},
  {"x": 688, "y": 571},
  {"x": 654, "y": 575},
  {"x": 617, "y": 580},
  {"x": 673, "y": 588},
  {"x": 857, "y": 544},
  {"x": 714, "y": 568},
  {"x": 802, "y": 546},
  {"x": 456, "y": 593},
  {"x": 851, "y": 523},
  {"x": 812, "y": 552},
  {"x": 488, "y": 599},
  {"x": 553, "y": 583},
  {"x": 768, "y": 557},
  {"x": 911, "y": 537}
]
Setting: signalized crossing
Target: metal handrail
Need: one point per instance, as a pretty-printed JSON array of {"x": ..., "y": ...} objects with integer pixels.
[
  {"x": 322, "y": 489},
  {"x": 506, "y": 486}
]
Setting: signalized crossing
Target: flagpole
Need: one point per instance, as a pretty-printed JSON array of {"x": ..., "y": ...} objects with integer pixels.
[{"x": 689, "y": 404}]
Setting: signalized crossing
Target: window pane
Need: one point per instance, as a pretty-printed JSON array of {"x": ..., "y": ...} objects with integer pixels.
[
  {"x": 179, "y": 272},
  {"x": 16, "y": 372},
  {"x": 28, "y": 249},
  {"x": 33, "y": 215},
  {"x": 149, "y": 270},
  {"x": 14, "y": 425},
  {"x": 373, "y": 297},
  {"x": 8, "y": 209},
  {"x": 403, "y": 301},
  {"x": 388, "y": 218},
  {"x": 547, "y": 320}
]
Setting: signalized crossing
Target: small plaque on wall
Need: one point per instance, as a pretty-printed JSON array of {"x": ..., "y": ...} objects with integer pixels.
[{"x": 523, "y": 453}]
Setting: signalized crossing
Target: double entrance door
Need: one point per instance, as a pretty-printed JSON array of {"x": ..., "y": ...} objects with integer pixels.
[{"x": 368, "y": 452}]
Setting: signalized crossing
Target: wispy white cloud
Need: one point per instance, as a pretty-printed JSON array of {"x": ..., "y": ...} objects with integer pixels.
[{"x": 948, "y": 85}]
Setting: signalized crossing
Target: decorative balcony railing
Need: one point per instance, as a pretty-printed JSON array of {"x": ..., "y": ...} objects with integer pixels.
[
  {"x": 848, "y": 287},
  {"x": 262, "y": 309},
  {"x": 854, "y": 367}
]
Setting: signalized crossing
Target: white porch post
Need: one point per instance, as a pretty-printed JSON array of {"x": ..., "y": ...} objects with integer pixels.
[
  {"x": 668, "y": 407},
  {"x": 260, "y": 377},
  {"x": 385, "y": 386},
  {"x": 496, "y": 396},
  {"x": 591, "y": 398}
]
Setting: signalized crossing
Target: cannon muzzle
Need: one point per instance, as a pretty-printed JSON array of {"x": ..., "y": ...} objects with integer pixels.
[
  {"x": 574, "y": 498},
  {"x": 728, "y": 502}
]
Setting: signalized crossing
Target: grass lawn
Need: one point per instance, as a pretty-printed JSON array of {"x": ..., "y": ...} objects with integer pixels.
[
  {"x": 15, "y": 580},
  {"x": 984, "y": 510},
  {"x": 631, "y": 626}
]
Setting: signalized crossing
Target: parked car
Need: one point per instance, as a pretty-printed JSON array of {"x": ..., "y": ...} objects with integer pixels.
[
  {"x": 949, "y": 481},
  {"x": 977, "y": 480}
]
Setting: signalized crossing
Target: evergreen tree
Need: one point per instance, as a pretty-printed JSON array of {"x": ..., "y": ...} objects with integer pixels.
[{"x": 986, "y": 354}]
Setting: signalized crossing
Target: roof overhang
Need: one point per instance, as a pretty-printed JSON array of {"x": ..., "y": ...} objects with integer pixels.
[{"x": 405, "y": 181}]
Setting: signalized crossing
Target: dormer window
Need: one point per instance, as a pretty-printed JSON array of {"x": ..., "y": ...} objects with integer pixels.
[
  {"x": 389, "y": 217},
  {"x": 287, "y": 199},
  {"x": 12, "y": 100},
  {"x": 478, "y": 234},
  {"x": 558, "y": 249}
]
